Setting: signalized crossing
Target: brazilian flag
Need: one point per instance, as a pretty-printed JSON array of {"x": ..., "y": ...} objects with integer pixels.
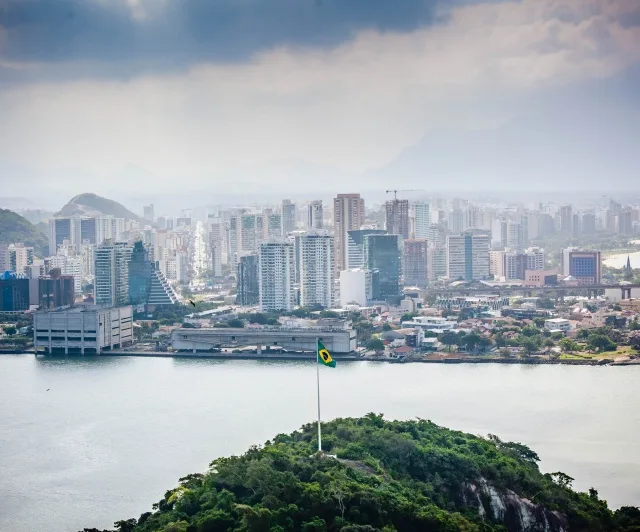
[{"x": 324, "y": 357}]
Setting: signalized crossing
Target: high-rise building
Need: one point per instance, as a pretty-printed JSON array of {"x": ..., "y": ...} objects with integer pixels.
[
  {"x": 111, "y": 283},
  {"x": 315, "y": 218},
  {"x": 625, "y": 221},
  {"x": 415, "y": 263},
  {"x": 468, "y": 256},
  {"x": 536, "y": 259},
  {"x": 56, "y": 290},
  {"x": 589, "y": 223},
  {"x": 382, "y": 253},
  {"x": 355, "y": 246},
  {"x": 14, "y": 292},
  {"x": 397, "y": 217},
  {"x": 356, "y": 287},
  {"x": 18, "y": 257},
  {"x": 60, "y": 229},
  {"x": 274, "y": 225},
  {"x": 248, "y": 281},
  {"x": 497, "y": 265},
  {"x": 348, "y": 215},
  {"x": 316, "y": 270},
  {"x": 566, "y": 219},
  {"x": 276, "y": 272},
  {"x": 515, "y": 236},
  {"x": 288, "y": 216},
  {"x": 147, "y": 212},
  {"x": 423, "y": 220},
  {"x": 456, "y": 221},
  {"x": 437, "y": 262},
  {"x": 585, "y": 266}
]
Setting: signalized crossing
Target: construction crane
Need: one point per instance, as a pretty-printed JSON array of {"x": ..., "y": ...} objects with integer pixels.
[{"x": 395, "y": 192}]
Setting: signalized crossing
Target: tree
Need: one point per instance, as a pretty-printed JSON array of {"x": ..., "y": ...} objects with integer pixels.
[
  {"x": 484, "y": 343},
  {"x": 408, "y": 316},
  {"x": 9, "y": 330},
  {"x": 236, "y": 323},
  {"x": 375, "y": 344},
  {"x": 187, "y": 325},
  {"x": 548, "y": 343},
  {"x": 471, "y": 340},
  {"x": 562, "y": 479},
  {"x": 221, "y": 325},
  {"x": 499, "y": 340},
  {"x": 448, "y": 338},
  {"x": 601, "y": 343},
  {"x": 568, "y": 345},
  {"x": 530, "y": 344},
  {"x": 258, "y": 317},
  {"x": 386, "y": 327}
]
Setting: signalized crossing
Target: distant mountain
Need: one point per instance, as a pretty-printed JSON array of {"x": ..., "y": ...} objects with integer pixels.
[
  {"x": 568, "y": 149},
  {"x": 15, "y": 228},
  {"x": 88, "y": 204}
]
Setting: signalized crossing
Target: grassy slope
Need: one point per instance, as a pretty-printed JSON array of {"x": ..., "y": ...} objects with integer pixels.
[{"x": 15, "y": 228}]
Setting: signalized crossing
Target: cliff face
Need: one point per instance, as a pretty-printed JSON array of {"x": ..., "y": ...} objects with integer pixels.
[{"x": 516, "y": 513}]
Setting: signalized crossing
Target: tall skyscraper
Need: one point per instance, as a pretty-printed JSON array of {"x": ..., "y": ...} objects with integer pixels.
[
  {"x": 276, "y": 276},
  {"x": 316, "y": 270},
  {"x": 423, "y": 220},
  {"x": 148, "y": 288},
  {"x": 515, "y": 236},
  {"x": 111, "y": 283},
  {"x": 355, "y": 246},
  {"x": 148, "y": 213},
  {"x": 60, "y": 229},
  {"x": 589, "y": 223},
  {"x": 566, "y": 219},
  {"x": 397, "y": 217},
  {"x": 415, "y": 263},
  {"x": 468, "y": 256},
  {"x": 348, "y": 215},
  {"x": 315, "y": 219},
  {"x": 437, "y": 262},
  {"x": 382, "y": 253},
  {"x": 248, "y": 282},
  {"x": 288, "y": 216}
]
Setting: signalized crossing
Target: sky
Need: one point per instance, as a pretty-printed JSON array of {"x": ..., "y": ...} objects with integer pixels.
[{"x": 135, "y": 98}]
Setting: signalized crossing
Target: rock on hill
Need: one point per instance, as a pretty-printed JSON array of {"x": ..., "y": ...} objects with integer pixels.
[
  {"x": 15, "y": 228},
  {"x": 93, "y": 205},
  {"x": 383, "y": 476}
]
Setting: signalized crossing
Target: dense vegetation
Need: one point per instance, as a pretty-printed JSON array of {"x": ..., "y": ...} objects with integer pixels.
[
  {"x": 14, "y": 228},
  {"x": 399, "y": 475}
]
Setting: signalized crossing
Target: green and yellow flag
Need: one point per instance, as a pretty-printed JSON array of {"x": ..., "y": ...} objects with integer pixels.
[{"x": 324, "y": 357}]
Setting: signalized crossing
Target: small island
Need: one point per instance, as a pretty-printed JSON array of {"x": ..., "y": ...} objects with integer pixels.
[{"x": 377, "y": 475}]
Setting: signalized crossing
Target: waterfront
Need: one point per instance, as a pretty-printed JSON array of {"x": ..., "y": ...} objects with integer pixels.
[
  {"x": 619, "y": 260},
  {"x": 113, "y": 433}
]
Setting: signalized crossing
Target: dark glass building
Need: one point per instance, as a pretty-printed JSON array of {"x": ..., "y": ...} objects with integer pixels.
[
  {"x": 248, "y": 281},
  {"x": 14, "y": 292},
  {"x": 382, "y": 253},
  {"x": 56, "y": 290},
  {"x": 140, "y": 271}
]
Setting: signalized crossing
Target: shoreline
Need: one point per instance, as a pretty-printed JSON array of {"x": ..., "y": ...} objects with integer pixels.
[{"x": 345, "y": 358}]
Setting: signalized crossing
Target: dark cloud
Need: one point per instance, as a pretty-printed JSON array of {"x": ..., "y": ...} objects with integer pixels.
[{"x": 177, "y": 32}]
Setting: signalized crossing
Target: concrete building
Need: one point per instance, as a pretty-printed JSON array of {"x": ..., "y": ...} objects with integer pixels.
[
  {"x": 18, "y": 257},
  {"x": 337, "y": 341},
  {"x": 468, "y": 256},
  {"x": 248, "y": 284},
  {"x": 541, "y": 278},
  {"x": 397, "y": 217},
  {"x": 382, "y": 253},
  {"x": 430, "y": 323},
  {"x": 423, "y": 220},
  {"x": 356, "y": 286},
  {"x": 316, "y": 270},
  {"x": 111, "y": 283},
  {"x": 315, "y": 219},
  {"x": 276, "y": 273},
  {"x": 288, "y": 216},
  {"x": 148, "y": 212},
  {"x": 497, "y": 264},
  {"x": 415, "y": 254},
  {"x": 83, "y": 330},
  {"x": 557, "y": 324},
  {"x": 437, "y": 262},
  {"x": 566, "y": 219},
  {"x": 348, "y": 215}
]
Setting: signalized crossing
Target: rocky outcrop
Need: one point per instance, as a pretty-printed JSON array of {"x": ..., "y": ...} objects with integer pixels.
[{"x": 517, "y": 514}]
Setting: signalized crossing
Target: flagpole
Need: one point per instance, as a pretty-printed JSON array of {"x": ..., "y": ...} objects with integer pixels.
[{"x": 318, "y": 382}]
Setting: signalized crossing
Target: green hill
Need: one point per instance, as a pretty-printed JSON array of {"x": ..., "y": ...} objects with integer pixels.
[
  {"x": 387, "y": 476},
  {"x": 15, "y": 228},
  {"x": 93, "y": 205}
]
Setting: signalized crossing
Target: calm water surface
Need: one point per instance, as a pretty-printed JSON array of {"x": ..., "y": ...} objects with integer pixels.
[{"x": 113, "y": 434}]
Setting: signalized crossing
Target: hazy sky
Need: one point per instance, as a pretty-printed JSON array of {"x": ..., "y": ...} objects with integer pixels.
[{"x": 111, "y": 96}]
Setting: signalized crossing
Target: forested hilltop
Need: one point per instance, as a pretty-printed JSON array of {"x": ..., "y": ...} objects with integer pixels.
[{"x": 388, "y": 476}]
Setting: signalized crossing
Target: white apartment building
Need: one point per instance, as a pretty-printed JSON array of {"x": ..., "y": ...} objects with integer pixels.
[
  {"x": 436, "y": 262},
  {"x": 316, "y": 270},
  {"x": 468, "y": 256},
  {"x": 276, "y": 273},
  {"x": 356, "y": 287},
  {"x": 69, "y": 265},
  {"x": 348, "y": 215},
  {"x": 111, "y": 282},
  {"x": 315, "y": 219}
]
